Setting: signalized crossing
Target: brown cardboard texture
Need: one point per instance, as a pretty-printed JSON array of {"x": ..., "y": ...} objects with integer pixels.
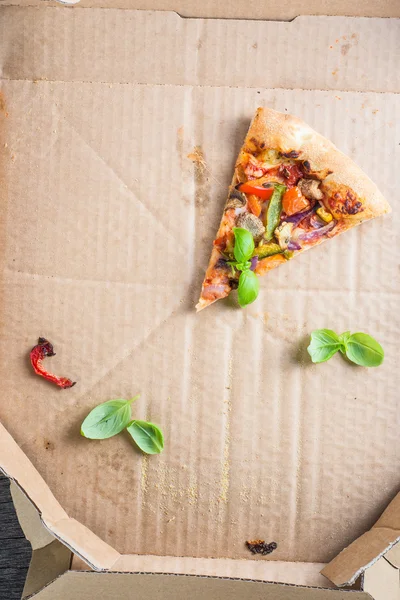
[
  {"x": 51, "y": 559},
  {"x": 284, "y": 10},
  {"x": 106, "y": 229}
]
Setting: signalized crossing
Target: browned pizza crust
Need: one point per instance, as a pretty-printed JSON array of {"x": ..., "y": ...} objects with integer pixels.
[
  {"x": 349, "y": 194},
  {"x": 287, "y": 133}
]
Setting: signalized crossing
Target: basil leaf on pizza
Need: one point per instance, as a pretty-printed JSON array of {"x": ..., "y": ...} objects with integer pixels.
[
  {"x": 244, "y": 245},
  {"x": 248, "y": 287}
]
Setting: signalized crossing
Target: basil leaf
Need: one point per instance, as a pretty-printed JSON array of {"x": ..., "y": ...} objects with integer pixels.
[
  {"x": 243, "y": 266},
  {"x": 324, "y": 344},
  {"x": 364, "y": 350},
  {"x": 107, "y": 419},
  {"x": 244, "y": 244},
  {"x": 248, "y": 288},
  {"x": 147, "y": 436},
  {"x": 274, "y": 211}
]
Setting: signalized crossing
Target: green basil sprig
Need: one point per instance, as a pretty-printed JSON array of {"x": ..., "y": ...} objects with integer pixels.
[
  {"x": 243, "y": 251},
  {"x": 360, "y": 348},
  {"x": 110, "y": 418}
]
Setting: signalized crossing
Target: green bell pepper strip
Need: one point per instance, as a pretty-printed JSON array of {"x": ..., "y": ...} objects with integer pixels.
[
  {"x": 274, "y": 211},
  {"x": 267, "y": 250}
]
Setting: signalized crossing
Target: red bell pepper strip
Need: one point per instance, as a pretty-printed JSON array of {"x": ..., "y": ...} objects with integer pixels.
[
  {"x": 261, "y": 192},
  {"x": 38, "y": 353}
]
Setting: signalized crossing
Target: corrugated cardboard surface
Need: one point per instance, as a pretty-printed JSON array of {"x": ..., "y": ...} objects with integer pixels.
[
  {"x": 119, "y": 587},
  {"x": 118, "y": 46},
  {"x": 234, "y": 9},
  {"x": 107, "y": 231}
]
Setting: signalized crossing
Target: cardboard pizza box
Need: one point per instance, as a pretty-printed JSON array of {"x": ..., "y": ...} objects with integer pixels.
[{"x": 106, "y": 231}]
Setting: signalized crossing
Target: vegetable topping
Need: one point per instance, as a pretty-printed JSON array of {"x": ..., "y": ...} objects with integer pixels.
[
  {"x": 280, "y": 204},
  {"x": 294, "y": 201},
  {"x": 274, "y": 211},
  {"x": 251, "y": 223}
]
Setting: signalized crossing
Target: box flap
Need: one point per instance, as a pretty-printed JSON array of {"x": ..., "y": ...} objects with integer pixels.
[
  {"x": 50, "y": 558},
  {"x": 47, "y": 564},
  {"x": 382, "y": 581},
  {"x": 366, "y": 550},
  {"x": 113, "y": 586},
  {"x": 29, "y": 519},
  {"x": 306, "y": 574},
  {"x": 393, "y": 556},
  {"x": 339, "y": 50},
  {"x": 285, "y": 10},
  {"x": 75, "y": 536}
]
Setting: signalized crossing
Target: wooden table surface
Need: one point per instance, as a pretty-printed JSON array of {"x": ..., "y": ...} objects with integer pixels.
[{"x": 15, "y": 550}]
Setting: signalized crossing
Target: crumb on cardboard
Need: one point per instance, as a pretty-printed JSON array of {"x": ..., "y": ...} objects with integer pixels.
[{"x": 261, "y": 547}]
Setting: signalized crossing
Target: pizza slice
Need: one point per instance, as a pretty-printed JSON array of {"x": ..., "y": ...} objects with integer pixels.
[{"x": 291, "y": 190}]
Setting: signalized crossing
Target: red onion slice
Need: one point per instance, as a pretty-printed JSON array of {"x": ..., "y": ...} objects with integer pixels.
[
  {"x": 310, "y": 236},
  {"x": 316, "y": 222},
  {"x": 293, "y": 246},
  {"x": 254, "y": 262},
  {"x": 298, "y": 217}
]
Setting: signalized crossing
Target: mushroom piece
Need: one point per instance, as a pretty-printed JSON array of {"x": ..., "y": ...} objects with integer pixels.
[
  {"x": 283, "y": 234},
  {"x": 310, "y": 189},
  {"x": 253, "y": 224},
  {"x": 235, "y": 199}
]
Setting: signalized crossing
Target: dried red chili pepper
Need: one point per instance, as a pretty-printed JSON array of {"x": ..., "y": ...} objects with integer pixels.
[{"x": 38, "y": 353}]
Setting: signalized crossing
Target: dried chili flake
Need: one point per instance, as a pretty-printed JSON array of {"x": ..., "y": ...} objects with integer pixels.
[
  {"x": 261, "y": 547},
  {"x": 38, "y": 353}
]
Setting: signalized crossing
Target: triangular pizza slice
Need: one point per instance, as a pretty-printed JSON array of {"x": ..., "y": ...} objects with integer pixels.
[{"x": 291, "y": 190}]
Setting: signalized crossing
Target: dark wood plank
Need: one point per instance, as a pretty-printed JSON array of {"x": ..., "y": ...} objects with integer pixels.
[{"x": 15, "y": 550}]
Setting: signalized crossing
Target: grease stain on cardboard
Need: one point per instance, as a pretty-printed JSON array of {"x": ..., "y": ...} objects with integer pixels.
[{"x": 3, "y": 108}]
